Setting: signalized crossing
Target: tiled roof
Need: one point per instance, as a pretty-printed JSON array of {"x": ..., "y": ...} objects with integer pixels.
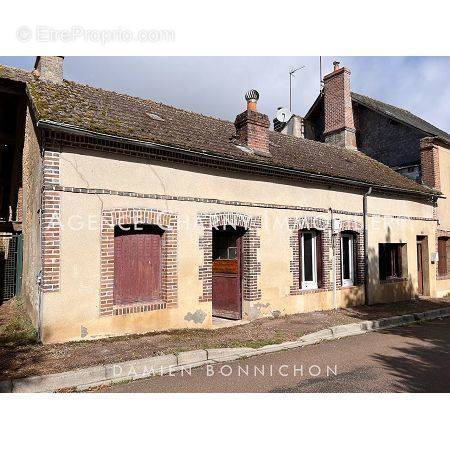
[
  {"x": 11, "y": 73},
  {"x": 402, "y": 115},
  {"x": 120, "y": 115}
]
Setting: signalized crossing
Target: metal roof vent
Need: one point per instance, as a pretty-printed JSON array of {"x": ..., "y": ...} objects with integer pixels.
[
  {"x": 154, "y": 116},
  {"x": 252, "y": 95}
]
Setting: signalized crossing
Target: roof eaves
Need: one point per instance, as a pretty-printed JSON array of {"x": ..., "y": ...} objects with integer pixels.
[{"x": 301, "y": 173}]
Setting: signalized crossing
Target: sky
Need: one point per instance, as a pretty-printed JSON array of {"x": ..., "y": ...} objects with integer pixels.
[{"x": 215, "y": 86}]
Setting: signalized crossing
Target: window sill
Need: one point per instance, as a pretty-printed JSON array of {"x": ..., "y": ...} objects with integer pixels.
[
  {"x": 394, "y": 280},
  {"x": 311, "y": 291},
  {"x": 138, "y": 307}
]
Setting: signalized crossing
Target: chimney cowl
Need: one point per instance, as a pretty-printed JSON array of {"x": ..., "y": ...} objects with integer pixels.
[{"x": 252, "y": 97}]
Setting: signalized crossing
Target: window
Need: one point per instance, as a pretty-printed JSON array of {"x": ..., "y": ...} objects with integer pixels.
[
  {"x": 225, "y": 244},
  {"x": 311, "y": 259},
  {"x": 391, "y": 261},
  {"x": 444, "y": 256},
  {"x": 348, "y": 259}
]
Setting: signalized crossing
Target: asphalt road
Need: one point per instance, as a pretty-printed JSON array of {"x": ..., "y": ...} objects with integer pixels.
[{"x": 405, "y": 359}]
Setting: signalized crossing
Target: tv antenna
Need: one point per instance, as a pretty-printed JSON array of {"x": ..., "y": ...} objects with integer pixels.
[
  {"x": 320, "y": 73},
  {"x": 291, "y": 74}
]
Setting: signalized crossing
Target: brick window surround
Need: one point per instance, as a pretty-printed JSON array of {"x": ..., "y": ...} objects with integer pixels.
[
  {"x": 354, "y": 227},
  {"x": 296, "y": 225},
  {"x": 133, "y": 216},
  {"x": 322, "y": 225},
  {"x": 251, "y": 269}
]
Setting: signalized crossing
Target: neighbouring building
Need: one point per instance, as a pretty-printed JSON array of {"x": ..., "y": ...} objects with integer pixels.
[
  {"x": 395, "y": 137},
  {"x": 138, "y": 216}
]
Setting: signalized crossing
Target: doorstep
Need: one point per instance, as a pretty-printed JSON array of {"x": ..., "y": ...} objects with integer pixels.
[{"x": 219, "y": 322}]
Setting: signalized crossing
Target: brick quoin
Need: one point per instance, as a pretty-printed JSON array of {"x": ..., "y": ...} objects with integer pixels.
[{"x": 51, "y": 226}]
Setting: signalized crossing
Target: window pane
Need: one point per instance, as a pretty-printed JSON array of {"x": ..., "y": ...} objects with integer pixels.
[
  {"x": 390, "y": 260},
  {"x": 308, "y": 256},
  {"x": 232, "y": 253},
  {"x": 346, "y": 257}
]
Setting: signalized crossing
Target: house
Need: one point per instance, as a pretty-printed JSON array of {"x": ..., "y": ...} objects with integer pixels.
[
  {"x": 395, "y": 137},
  {"x": 138, "y": 216}
]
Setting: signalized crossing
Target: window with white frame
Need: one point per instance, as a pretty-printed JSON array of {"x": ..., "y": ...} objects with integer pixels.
[
  {"x": 309, "y": 264},
  {"x": 348, "y": 259}
]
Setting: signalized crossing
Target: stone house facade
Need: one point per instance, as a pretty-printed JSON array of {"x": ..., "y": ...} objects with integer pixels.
[{"x": 138, "y": 216}]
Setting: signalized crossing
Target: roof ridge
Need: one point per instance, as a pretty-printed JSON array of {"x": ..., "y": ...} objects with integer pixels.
[{"x": 134, "y": 97}]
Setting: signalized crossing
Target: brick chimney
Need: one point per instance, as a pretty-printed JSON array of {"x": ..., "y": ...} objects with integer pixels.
[
  {"x": 339, "y": 125},
  {"x": 49, "y": 68},
  {"x": 252, "y": 127},
  {"x": 429, "y": 163}
]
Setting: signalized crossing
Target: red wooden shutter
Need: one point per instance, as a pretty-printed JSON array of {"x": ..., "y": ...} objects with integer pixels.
[
  {"x": 137, "y": 266},
  {"x": 300, "y": 258},
  {"x": 442, "y": 251},
  {"x": 319, "y": 258}
]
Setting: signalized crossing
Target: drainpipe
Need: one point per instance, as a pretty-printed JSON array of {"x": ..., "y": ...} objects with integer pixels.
[
  {"x": 366, "y": 249},
  {"x": 333, "y": 248},
  {"x": 39, "y": 275}
]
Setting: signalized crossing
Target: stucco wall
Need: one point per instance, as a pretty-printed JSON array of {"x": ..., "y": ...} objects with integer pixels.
[
  {"x": 73, "y": 311},
  {"x": 32, "y": 183}
]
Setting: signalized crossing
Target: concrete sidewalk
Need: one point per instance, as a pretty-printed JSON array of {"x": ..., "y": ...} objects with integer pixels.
[{"x": 102, "y": 375}]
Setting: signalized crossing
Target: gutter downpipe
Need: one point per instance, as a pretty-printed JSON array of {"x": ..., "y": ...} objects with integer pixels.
[
  {"x": 333, "y": 246},
  {"x": 366, "y": 248},
  {"x": 39, "y": 275}
]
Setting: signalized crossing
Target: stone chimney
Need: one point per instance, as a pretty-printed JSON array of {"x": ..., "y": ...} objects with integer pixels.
[
  {"x": 339, "y": 125},
  {"x": 252, "y": 127},
  {"x": 49, "y": 68}
]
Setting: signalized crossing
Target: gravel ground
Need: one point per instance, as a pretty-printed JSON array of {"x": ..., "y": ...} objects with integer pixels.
[{"x": 19, "y": 358}]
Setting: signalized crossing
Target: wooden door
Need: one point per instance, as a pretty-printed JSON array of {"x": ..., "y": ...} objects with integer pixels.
[
  {"x": 226, "y": 276},
  {"x": 137, "y": 266},
  {"x": 420, "y": 267}
]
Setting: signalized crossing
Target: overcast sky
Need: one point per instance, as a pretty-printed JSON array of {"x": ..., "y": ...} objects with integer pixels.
[{"x": 216, "y": 85}]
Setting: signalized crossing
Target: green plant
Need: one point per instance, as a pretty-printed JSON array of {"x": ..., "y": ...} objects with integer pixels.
[{"x": 18, "y": 329}]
